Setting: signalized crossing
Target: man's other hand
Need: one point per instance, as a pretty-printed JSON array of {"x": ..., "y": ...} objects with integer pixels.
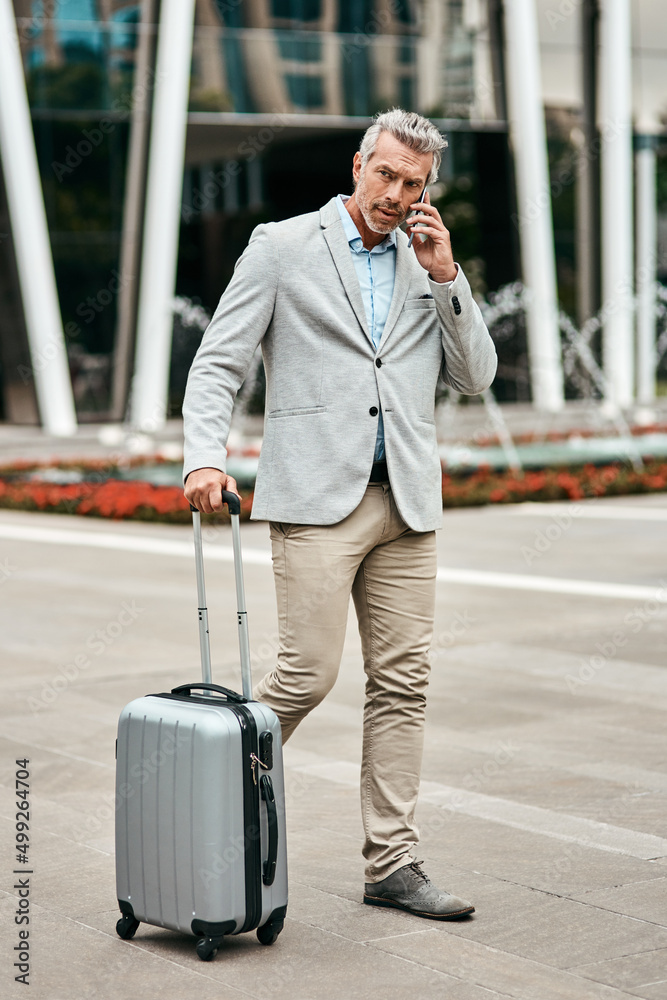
[
  {"x": 203, "y": 489},
  {"x": 435, "y": 253}
]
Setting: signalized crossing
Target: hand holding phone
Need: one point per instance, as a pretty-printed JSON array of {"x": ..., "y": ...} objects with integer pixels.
[{"x": 416, "y": 212}]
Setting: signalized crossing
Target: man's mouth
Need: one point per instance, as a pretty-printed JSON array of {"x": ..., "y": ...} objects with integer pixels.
[{"x": 387, "y": 212}]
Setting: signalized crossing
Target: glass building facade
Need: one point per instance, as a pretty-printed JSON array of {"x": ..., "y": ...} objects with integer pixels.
[{"x": 280, "y": 93}]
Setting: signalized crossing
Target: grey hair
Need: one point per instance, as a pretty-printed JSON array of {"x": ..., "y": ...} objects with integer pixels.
[{"x": 412, "y": 130}]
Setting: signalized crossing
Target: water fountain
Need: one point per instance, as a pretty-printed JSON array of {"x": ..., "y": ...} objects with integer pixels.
[
  {"x": 489, "y": 439},
  {"x": 583, "y": 374}
]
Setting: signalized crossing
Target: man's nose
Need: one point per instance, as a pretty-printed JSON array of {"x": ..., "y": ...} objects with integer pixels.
[{"x": 395, "y": 191}]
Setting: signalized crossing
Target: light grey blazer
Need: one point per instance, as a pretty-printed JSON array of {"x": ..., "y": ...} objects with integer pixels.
[{"x": 296, "y": 291}]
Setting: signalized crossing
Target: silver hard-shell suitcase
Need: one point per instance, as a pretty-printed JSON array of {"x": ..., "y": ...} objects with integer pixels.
[{"x": 200, "y": 819}]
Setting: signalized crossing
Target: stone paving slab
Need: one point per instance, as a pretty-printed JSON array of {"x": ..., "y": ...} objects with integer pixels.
[
  {"x": 494, "y": 968},
  {"x": 310, "y": 963},
  {"x": 645, "y": 900},
  {"x": 528, "y": 859},
  {"x": 557, "y": 932},
  {"x": 631, "y": 972},
  {"x": 652, "y": 991},
  {"x": 81, "y": 962}
]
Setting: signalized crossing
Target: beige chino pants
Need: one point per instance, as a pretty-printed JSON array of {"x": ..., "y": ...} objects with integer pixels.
[{"x": 390, "y": 572}]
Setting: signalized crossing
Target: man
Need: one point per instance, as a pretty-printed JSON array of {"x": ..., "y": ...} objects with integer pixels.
[{"x": 355, "y": 328}]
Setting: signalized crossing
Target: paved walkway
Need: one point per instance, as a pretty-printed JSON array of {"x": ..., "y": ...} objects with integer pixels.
[{"x": 545, "y": 775}]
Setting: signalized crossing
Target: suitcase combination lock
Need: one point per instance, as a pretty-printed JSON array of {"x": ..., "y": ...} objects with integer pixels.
[
  {"x": 265, "y": 759},
  {"x": 266, "y": 749}
]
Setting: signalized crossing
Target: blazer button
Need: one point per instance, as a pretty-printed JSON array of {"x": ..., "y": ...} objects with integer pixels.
[
  {"x": 378, "y": 362},
  {"x": 456, "y": 304},
  {"x": 373, "y": 411}
]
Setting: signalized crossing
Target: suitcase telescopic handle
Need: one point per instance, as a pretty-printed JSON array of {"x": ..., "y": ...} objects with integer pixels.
[{"x": 234, "y": 504}]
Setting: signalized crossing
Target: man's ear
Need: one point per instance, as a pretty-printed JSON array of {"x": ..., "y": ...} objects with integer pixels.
[{"x": 356, "y": 167}]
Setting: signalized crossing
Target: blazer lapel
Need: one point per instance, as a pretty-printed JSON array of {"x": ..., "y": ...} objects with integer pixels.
[
  {"x": 401, "y": 285},
  {"x": 340, "y": 251}
]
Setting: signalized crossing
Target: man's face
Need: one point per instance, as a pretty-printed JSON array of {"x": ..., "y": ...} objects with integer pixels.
[{"x": 391, "y": 181}]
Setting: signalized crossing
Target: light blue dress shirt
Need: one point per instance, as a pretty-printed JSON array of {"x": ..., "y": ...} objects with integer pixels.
[{"x": 376, "y": 270}]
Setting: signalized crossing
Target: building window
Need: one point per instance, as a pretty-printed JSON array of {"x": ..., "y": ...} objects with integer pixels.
[
  {"x": 297, "y": 10},
  {"x": 300, "y": 47},
  {"x": 305, "y": 91},
  {"x": 405, "y": 91},
  {"x": 406, "y": 51}
]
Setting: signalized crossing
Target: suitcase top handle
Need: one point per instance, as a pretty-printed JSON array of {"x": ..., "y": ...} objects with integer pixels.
[
  {"x": 232, "y": 500},
  {"x": 230, "y": 695}
]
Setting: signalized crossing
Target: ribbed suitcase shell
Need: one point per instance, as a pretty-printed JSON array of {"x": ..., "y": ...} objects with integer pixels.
[
  {"x": 185, "y": 856},
  {"x": 200, "y": 798}
]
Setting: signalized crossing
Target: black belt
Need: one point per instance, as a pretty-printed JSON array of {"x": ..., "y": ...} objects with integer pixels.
[{"x": 379, "y": 473}]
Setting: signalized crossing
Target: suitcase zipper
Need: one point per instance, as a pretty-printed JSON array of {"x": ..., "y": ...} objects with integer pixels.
[{"x": 253, "y": 852}]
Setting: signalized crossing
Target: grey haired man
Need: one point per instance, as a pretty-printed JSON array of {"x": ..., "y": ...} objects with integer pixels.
[{"x": 356, "y": 326}]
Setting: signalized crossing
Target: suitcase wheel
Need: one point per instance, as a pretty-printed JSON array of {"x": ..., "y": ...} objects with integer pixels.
[
  {"x": 127, "y": 927},
  {"x": 207, "y": 948},
  {"x": 269, "y": 932}
]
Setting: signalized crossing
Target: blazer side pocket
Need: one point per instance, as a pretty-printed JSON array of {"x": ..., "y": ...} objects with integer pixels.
[{"x": 298, "y": 411}]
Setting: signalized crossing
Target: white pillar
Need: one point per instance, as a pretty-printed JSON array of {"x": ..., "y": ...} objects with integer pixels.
[
  {"x": 534, "y": 221},
  {"x": 646, "y": 272},
  {"x": 616, "y": 183},
  {"x": 133, "y": 214},
  {"x": 31, "y": 239},
  {"x": 163, "y": 210}
]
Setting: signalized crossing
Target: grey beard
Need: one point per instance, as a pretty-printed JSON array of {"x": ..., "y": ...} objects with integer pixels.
[{"x": 375, "y": 227}]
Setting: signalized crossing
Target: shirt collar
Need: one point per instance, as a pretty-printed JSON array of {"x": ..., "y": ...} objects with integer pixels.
[{"x": 352, "y": 233}]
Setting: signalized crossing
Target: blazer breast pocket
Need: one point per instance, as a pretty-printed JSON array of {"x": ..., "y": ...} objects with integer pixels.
[{"x": 419, "y": 304}]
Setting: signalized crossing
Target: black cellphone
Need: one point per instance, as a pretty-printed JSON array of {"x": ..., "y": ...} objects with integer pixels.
[{"x": 420, "y": 198}]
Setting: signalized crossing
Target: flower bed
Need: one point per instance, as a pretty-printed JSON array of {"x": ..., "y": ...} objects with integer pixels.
[
  {"x": 563, "y": 483},
  {"x": 98, "y": 496},
  {"x": 114, "y": 498}
]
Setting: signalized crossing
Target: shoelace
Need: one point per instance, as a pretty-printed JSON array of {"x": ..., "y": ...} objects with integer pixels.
[{"x": 416, "y": 871}]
